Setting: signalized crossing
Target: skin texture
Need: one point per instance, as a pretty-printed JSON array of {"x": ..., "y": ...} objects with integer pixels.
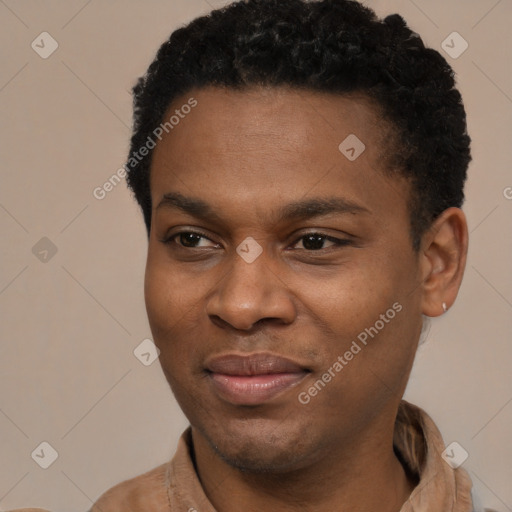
[{"x": 248, "y": 154}]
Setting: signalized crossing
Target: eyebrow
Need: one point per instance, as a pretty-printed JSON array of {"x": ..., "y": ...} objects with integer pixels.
[{"x": 297, "y": 210}]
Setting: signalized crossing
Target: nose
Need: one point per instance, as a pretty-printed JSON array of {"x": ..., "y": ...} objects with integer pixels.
[{"x": 250, "y": 293}]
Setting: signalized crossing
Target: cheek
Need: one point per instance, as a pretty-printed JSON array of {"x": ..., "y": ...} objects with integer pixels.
[
  {"x": 350, "y": 297},
  {"x": 168, "y": 303},
  {"x": 175, "y": 309},
  {"x": 168, "y": 294},
  {"x": 369, "y": 303}
]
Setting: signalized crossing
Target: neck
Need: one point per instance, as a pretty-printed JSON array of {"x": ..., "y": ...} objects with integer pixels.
[{"x": 362, "y": 474}]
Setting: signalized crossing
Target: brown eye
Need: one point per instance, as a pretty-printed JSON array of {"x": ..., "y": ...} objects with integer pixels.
[
  {"x": 316, "y": 242},
  {"x": 313, "y": 242},
  {"x": 190, "y": 240}
]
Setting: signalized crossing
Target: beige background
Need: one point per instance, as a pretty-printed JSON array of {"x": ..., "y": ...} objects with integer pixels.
[{"x": 68, "y": 374}]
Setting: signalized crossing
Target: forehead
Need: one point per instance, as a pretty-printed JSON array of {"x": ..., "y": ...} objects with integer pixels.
[
  {"x": 253, "y": 114},
  {"x": 272, "y": 144}
]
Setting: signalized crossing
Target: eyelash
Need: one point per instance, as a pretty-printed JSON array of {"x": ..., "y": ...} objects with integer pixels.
[{"x": 338, "y": 242}]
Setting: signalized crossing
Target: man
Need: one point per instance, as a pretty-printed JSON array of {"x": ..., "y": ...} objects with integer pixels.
[
  {"x": 300, "y": 168},
  {"x": 301, "y": 188}
]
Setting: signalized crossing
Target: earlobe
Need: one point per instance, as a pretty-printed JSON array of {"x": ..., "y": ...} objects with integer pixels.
[{"x": 443, "y": 260}]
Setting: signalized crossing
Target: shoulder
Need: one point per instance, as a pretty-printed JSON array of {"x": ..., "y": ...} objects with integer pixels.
[
  {"x": 143, "y": 493},
  {"x": 28, "y": 510}
]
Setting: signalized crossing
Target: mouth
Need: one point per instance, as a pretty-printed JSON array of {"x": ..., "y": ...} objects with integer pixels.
[{"x": 253, "y": 379}]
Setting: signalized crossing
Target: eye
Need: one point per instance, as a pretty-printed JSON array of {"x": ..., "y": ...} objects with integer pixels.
[
  {"x": 309, "y": 242},
  {"x": 316, "y": 241},
  {"x": 189, "y": 239}
]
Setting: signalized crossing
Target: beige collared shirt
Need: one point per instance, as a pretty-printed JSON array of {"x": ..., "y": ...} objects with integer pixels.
[{"x": 175, "y": 487}]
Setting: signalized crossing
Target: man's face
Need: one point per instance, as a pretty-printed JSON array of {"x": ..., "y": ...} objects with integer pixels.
[{"x": 336, "y": 274}]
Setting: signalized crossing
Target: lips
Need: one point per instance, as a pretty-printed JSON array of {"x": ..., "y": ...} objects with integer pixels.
[
  {"x": 253, "y": 379},
  {"x": 254, "y": 364}
]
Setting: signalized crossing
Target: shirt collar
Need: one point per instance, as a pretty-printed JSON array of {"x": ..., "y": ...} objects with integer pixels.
[{"x": 419, "y": 445}]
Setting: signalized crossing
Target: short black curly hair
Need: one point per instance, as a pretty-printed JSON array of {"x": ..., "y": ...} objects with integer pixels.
[{"x": 336, "y": 46}]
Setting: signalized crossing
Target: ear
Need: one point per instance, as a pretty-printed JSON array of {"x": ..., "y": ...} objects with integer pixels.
[{"x": 443, "y": 256}]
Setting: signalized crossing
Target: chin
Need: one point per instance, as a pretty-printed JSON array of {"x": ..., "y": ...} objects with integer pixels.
[
  {"x": 262, "y": 448},
  {"x": 254, "y": 459}
]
